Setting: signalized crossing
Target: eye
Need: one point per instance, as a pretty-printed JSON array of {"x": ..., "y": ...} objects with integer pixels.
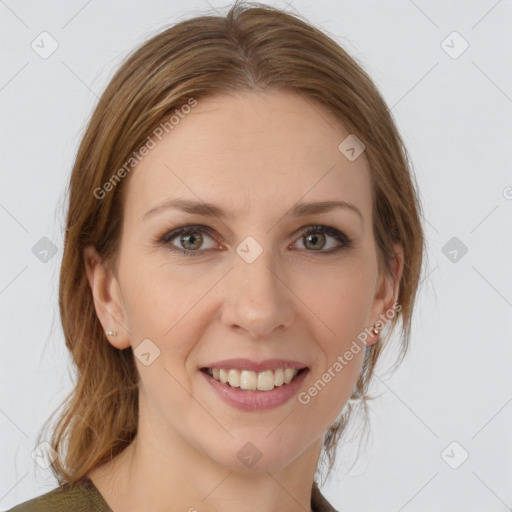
[
  {"x": 323, "y": 239},
  {"x": 189, "y": 239},
  {"x": 193, "y": 240}
]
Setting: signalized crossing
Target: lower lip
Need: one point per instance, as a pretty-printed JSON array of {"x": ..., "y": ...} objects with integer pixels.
[{"x": 256, "y": 400}]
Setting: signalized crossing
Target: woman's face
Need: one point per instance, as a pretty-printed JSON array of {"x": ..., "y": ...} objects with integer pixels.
[{"x": 260, "y": 275}]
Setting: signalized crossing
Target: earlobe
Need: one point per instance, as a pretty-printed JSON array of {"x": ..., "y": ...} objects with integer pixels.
[
  {"x": 107, "y": 299},
  {"x": 387, "y": 295}
]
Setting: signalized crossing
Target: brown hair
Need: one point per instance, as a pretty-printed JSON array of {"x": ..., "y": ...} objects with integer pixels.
[{"x": 253, "y": 47}]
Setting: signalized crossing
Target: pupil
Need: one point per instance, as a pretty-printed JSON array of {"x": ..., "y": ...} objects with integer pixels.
[
  {"x": 313, "y": 240},
  {"x": 191, "y": 241}
]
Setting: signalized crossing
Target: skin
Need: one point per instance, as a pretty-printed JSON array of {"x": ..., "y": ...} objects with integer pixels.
[{"x": 254, "y": 155}]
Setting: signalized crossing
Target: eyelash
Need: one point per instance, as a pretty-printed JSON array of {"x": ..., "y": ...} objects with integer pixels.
[{"x": 165, "y": 240}]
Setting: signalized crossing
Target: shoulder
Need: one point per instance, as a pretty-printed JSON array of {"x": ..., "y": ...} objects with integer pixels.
[{"x": 79, "y": 497}]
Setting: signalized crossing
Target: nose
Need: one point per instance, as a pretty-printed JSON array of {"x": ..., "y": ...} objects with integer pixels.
[{"x": 257, "y": 301}]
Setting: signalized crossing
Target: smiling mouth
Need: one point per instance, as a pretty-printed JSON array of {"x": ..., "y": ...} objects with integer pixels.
[{"x": 249, "y": 380}]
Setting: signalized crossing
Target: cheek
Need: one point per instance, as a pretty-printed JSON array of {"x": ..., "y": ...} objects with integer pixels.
[
  {"x": 168, "y": 305},
  {"x": 164, "y": 306},
  {"x": 342, "y": 300},
  {"x": 159, "y": 296},
  {"x": 341, "y": 297}
]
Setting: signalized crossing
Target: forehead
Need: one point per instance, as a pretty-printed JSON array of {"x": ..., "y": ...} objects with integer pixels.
[{"x": 255, "y": 153}]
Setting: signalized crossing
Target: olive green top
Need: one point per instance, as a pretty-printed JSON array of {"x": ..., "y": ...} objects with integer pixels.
[{"x": 85, "y": 497}]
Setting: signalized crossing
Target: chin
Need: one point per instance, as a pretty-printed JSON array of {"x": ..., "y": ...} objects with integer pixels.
[{"x": 255, "y": 453}]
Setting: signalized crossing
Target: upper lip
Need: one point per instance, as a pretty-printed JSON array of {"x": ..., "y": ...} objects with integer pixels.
[{"x": 256, "y": 366}]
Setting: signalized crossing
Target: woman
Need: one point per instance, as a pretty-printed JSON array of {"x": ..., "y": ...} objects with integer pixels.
[{"x": 243, "y": 236}]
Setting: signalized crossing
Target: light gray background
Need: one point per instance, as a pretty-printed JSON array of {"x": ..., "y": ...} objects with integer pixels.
[{"x": 455, "y": 115}]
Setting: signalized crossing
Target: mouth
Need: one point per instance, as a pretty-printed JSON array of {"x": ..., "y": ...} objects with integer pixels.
[{"x": 257, "y": 381}]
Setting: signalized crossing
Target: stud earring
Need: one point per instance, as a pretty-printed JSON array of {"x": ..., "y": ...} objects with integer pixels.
[
  {"x": 376, "y": 333},
  {"x": 111, "y": 333}
]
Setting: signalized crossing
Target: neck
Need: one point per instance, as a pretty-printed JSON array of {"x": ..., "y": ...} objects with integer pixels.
[{"x": 157, "y": 473}]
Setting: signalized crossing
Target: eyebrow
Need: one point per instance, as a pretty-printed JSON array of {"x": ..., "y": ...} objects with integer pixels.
[{"x": 211, "y": 210}]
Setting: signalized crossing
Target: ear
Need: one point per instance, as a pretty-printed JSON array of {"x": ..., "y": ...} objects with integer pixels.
[
  {"x": 107, "y": 298},
  {"x": 386, "y": 294}
]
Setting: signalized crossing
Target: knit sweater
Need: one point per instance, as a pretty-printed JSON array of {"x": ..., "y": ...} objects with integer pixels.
[{"x": 85, "y": 497}]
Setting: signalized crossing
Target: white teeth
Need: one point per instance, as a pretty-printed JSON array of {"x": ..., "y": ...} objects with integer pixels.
[
  {"x": 234, "y": 378},
  {"x": 248, "y": 380},
  {"x": 266, "y": 380},
  {"x": 288, "y": 375},
  {"x": 252, "y": 381}
]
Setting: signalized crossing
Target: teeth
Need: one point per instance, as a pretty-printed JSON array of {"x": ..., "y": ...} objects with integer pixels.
[
  {"x": 266, "y": 380},
  {"x": 234, "y": 378},
  {"x": 248, "y": 380},
  {"x": 252, "y": 381}
]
